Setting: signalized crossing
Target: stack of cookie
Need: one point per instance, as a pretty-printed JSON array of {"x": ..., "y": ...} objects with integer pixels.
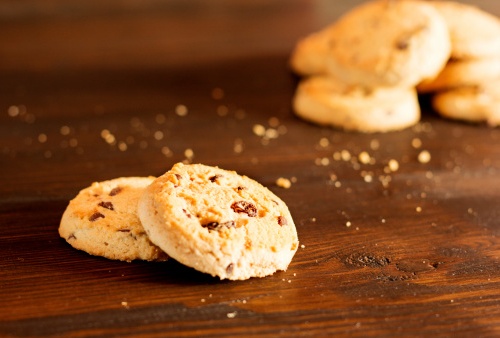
[
  {"x": 362, "y": 72},
  {"x": 468, "y": 88},
  {"x": 207, "y": 218}
]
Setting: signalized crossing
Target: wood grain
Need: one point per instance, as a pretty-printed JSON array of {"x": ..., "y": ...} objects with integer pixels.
[{"x": 413, "y": 252}]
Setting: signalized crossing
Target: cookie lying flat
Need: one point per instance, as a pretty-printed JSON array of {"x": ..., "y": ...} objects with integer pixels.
[
  {"x": 102, "y": 220},
  {"x": 388, "y": 43},
  {"x": 472, "y": 104},
  {"x": 218, "y": 222},
  {"x": 462, "y": 73},
  {"x": 474, "y": 33},
  {"x": 325, "y": 101}
]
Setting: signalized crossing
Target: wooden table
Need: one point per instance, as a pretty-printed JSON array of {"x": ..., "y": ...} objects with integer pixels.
[{"x": 383, "y": 253}]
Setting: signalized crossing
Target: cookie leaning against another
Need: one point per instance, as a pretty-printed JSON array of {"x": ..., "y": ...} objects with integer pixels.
[
  {"x": 387, "y": 43},
  {"x": 102, "y": 221},
  {"x": 218, "y": 222},
  {"x": 325, "y": 101}
]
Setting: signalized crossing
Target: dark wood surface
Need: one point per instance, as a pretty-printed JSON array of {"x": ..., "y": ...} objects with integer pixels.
[{"x": 413, "y": 252}]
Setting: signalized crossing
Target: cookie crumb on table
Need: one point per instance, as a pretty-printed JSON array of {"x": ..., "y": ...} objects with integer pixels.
[{"x": 283, "y": 183}]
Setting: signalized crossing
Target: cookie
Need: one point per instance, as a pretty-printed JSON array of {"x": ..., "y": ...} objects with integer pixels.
[
  {"x": 218, "y": 222},
  {"x": 472, "y": 104},
  {"x": 325, "y": 101},
  {"x": 309, "y": 55},
  {"x": 462, "y": 73},
  {"x": 474, "y": 33},
  {"x": 388, "y": 43},
  {"x": 102, "y": 221}
]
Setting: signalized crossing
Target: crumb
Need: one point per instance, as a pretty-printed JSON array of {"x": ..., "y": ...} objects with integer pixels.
[
  {"x": 231, "y": 314},
  {"x": 166, "y": 151},
  {"x": 424, "y": 156},
  {"x": 283, "y": 183},
  {"x": 259, "y": 130},
  {"x": 374, "y": 144},
  {"x": 418, "y": 209},
  {"x": 160, "y": 118},
  {"x": 364, "y": 157},
  {"x": 302, "y": 246},
  {"x": 273, "y": 122},
  {"x": 158, "y": 135},
  {"x": 122, "y": 146},
  {"x": 217, "y": 93},
  {"x": 324, "y": 142},
  {"x": 181, "y": 110},
  {"x": 416, "y": 143},
  {"x": 222, "y": 110},
  {"x": 42, "y": 138},
  {"x": 189, "y": 153},
  {"x": 240, "y": 114},
  {"x": 348, "y": 224},
  {"x": 238, "y": 146},
  {"x": 393, "y": 165},
  {"x": 271, "y": 133},
  {"x": 65, "y": 130},
  {"x": 13, "y": 111},
  {"x": 322, "y": 161},
  {"x": 345, "y": 155}
]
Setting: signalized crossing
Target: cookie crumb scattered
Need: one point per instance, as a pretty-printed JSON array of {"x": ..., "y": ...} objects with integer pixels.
[
  {"x": 181, "y": 110},
  {"x": 416, "y": 143},
  {"x": 364, "y": 157},
  {"x": 283, "y": 183},
  {"x": 324, "y": 142},
  {"x": 231, "y": 314},
  {"x": 217, "y": 93},
  {"x": 424, "y": 156},
  {"x": 393, "y": 165}
]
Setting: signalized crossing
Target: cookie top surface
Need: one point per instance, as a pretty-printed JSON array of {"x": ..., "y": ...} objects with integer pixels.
[
  {"x": 102, "y": 220},
  {"x": 218, "y": 222},
  {"x": 388, "y": 43},
  {"x": 474, "y": 32}
]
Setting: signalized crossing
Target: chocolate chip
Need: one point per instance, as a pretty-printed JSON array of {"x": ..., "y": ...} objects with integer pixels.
[
  {"x": 244, "y": 207},
  {"x": 240, "y": 188},
  {"x": 282, "y": 220},
  {"x": 217, "y": 225},
  {"x": 178, "y": 176},
  {"x": 95, "y": 216},
  {"x": 72, "y": 236},
  {"x": 211, "y": 225},
  {"x": 123, "y": 230},
  {"x": 402, "y": 44},
  {"x": 115, "y": 191},
  {"x": 187, "y": 214},
  {"x": 107, "y": 205},
  {"x": 214, "y": 178},
  {"x": 229, "y": 268}
]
